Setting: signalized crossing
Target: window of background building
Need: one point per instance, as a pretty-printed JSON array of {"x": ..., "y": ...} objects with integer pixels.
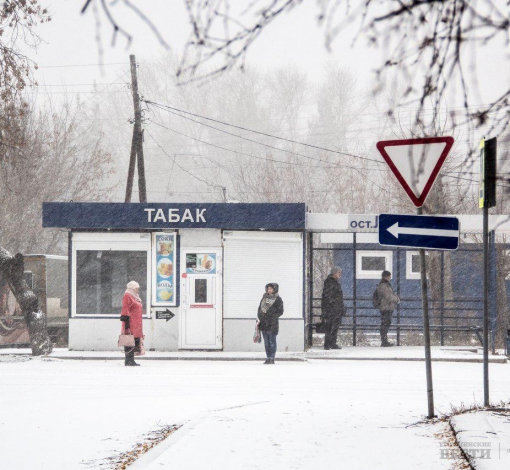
[
  {"x": 413, "y": 264},
  {"x": 370, "y": 264}
]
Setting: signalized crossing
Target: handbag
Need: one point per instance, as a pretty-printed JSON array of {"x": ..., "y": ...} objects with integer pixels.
[
  {"x": 257, "y": 337},
  {"x": 126, "y": 340},
  {"x": 320, "y": 327}
]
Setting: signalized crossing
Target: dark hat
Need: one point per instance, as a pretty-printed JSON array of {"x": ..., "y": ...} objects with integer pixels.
[{"x": 274, "y": 285}]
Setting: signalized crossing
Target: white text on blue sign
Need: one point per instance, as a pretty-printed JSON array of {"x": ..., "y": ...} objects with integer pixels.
[{"x": 174, "y": 215}]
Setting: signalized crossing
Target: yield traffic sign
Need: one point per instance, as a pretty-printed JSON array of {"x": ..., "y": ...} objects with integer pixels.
[
  {"x": 416, "y": 163},
  {"x": 419, "y": 231}
]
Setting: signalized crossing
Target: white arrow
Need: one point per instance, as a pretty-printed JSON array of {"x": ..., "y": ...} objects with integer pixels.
[{"x": 395, "y": 230}]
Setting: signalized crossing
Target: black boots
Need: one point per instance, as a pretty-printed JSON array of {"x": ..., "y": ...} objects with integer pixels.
[
  {"x": 130, "y": 356},
  {"x": 269, "y": 361},
  {"x": 131, "y": 363}
]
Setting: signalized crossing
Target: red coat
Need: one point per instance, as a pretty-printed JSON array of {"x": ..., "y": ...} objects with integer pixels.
[{"x": 133, "y": 309}]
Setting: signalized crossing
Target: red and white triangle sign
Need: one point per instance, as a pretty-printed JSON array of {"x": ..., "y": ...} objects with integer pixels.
[{"x": 416, "y": 163}]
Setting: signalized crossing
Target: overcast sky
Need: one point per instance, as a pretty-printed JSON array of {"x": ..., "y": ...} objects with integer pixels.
[
  {"x": 69, "y": 54},
  {"x": 294, "y": 39}
]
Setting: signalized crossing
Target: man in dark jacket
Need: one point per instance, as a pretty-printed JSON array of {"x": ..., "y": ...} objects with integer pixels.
[
  {"x": 333, "y": 308},
  {"x": 387, "y": 302}
]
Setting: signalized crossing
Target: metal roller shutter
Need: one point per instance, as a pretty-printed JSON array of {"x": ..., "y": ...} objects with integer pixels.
[{"x": 254, "y": 259}]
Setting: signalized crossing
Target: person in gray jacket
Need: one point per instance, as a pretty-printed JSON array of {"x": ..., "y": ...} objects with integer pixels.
[{"x": 387, "y": 301}]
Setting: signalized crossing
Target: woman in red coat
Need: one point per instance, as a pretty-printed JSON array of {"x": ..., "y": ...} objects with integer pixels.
[{"x": 131, "y": 318}]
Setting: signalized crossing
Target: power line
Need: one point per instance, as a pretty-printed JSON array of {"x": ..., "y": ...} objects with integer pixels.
[
  {"x": 108, "y": 86},
  {"x": 81, "y": 92},
  {"x": 470, "y": 180},
  {"x": 223, "y": 148},
  {"x": 266, "y": 145},
  {"x": 162, "y": 106},
  {"x": 272, "y": 160},
  {"x": 276, "y": 137},
  {"x": 182, "y": 168},
  {"x": 292, "y": 163},
  {"x": 334, "y": 165},
  {"x": 168, "y": 108},
  {"x": 80, "y": 84},
  {"x": 310, "y": 191},
  {"x": 78, "y": 65}
]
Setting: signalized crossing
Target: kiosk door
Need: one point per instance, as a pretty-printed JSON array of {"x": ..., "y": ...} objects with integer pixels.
[{"x": 201, "y": 309}]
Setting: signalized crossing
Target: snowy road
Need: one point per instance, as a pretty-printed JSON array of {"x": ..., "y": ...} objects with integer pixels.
[{"x": 63, "y": 414}]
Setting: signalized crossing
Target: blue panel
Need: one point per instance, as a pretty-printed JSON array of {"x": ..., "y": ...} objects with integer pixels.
[
  {"x": 412, "y": 231},
  {"x": 82, "y": 215}
]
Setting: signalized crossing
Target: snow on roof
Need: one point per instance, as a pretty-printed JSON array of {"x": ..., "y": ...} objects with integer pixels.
[{"x": 34, "y": 255}]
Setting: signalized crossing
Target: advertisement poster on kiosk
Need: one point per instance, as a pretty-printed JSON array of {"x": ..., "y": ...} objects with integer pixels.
[
  {"x": 201, "y": 263},
  {"x": 164, "y": 269}
]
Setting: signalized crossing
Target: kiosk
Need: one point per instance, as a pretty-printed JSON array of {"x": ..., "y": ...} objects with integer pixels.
[{"x": 202, "y": 269}]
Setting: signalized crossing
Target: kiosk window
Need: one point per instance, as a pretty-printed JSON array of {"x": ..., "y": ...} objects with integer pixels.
[
  {"x": 200, "y": 291},
  {"x": 101, "y": 278}
]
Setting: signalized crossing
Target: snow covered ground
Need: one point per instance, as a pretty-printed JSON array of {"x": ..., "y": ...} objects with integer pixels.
[
  {"x": 73, "y": 414},
  {"x": 485, "y": 437}
]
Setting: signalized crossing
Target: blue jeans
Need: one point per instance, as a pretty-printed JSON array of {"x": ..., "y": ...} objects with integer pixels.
[{"x": 270, "y": 344}]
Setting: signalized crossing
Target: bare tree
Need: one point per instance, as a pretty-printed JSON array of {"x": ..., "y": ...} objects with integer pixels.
[
  {"x": 59, "y": 160},
  {"x": 430, "y": 42},
  {"x": 55, "y": 160},
  {"x": 18, "y": 20}
]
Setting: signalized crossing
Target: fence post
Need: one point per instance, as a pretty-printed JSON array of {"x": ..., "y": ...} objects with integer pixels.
[
  {"x": 398, "y": 294},
  {"x": 310, "y": 293},
  {"x": 442, "y": 298},
  {"x": 354, "y": 320}
]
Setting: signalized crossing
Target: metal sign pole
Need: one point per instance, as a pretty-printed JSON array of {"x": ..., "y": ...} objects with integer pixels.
[
  {"x": 487, "y": 199},
  {"x": 406, "y": 158},
  {"x": 486, "y": 305},
  {"x": 426, "y": 330}
]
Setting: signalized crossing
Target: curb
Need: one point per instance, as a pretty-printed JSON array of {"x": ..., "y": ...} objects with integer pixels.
[
  {"x": 199, "y": 358},
  {"x": 280, "y": 359},
  {"x": 410, "y": 359}
]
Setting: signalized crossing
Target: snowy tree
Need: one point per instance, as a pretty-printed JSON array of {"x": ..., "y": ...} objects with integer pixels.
[
  {"x": 18, "y": 20},
  {"x": 43, "y": 156}
]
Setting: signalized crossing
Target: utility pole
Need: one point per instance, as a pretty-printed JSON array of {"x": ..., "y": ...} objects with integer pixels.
[
  {"x": 426, "y": 328},
  {"x": 136, "y": 142}
]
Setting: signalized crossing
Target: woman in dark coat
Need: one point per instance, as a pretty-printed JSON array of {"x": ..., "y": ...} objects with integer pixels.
[
  {"x": 270, "y": 310},
  {"x": 131, "y": 318}
]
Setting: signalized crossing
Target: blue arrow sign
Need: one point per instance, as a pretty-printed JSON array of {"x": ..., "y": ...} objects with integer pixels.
[{"x": 419, "y": 231}]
